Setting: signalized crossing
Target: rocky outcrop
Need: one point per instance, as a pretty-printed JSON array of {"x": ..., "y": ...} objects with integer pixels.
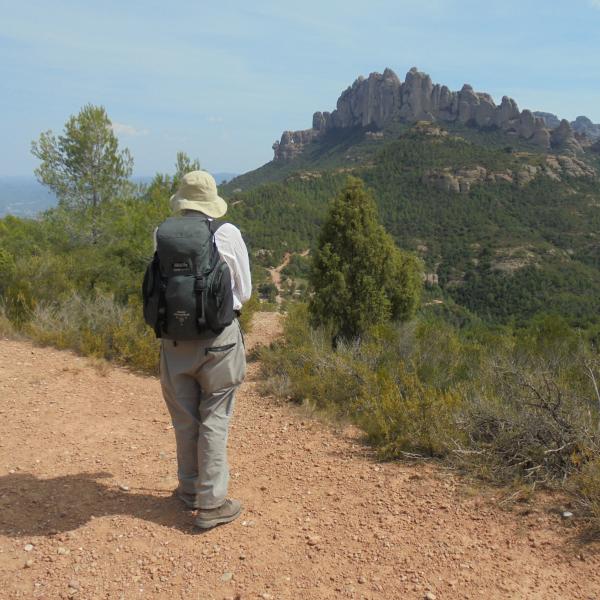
[
  {"x": 461, "y": 180},
  {"x": 513, "y": 259},
  {"x": 581, "y": 125},
  {"x": 563, "y": 138},
  {"x": 585, "y": 126},
  {"x": 374, "y": 101},
  {"x": 371, "y": 101},
  {"x": 551, "y": 120},
  {"x": 567, "y": 166},
  {"x": 292, "y": 143},
  {"x": 430, "y": 278}
]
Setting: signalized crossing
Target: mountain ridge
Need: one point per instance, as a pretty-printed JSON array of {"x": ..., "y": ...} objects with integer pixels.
[
  {"x": 381, "y": 98},
  {"x": 505, "y": 230},
  {"x": 582, "y": 124}
]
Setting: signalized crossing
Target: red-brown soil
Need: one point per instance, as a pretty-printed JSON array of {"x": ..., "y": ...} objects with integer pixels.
[{"x": 87, "y": 465}]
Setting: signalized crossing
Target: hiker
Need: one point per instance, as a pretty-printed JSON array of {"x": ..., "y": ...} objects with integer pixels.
[{"x": 202, "y": 360}]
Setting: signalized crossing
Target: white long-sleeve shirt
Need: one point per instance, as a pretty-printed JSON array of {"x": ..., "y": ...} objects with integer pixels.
[{"x": 232, "y": 248}]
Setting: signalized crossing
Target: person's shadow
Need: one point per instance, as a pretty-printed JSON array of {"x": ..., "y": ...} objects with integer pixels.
[{"x": 31, "y": 506}]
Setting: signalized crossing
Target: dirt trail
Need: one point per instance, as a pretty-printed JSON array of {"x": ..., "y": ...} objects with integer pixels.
[
  {"x": 275, "y": 272},
  {"x": 87, "y": 465}
]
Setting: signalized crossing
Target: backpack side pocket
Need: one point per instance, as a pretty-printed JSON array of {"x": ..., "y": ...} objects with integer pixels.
[{"x": 151, "y": 294}]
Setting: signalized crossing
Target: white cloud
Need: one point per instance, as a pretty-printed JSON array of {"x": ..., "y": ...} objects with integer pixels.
[
  {"x": 123, "y": 129},
  {"x": 215, "y": 119},
  {"x": 595, "y": 4}
]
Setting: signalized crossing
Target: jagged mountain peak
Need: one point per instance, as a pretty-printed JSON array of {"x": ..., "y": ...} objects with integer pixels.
[{"x": 376, "y": 100}]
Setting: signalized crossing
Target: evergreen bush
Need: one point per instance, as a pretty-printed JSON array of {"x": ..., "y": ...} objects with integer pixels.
[{"x": 359, "y": 277}]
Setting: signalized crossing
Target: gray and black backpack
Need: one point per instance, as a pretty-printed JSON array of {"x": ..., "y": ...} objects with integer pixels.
[{"x": 187, "y": 285}]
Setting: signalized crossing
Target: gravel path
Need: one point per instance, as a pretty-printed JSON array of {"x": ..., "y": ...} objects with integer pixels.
[{"x": 87, "y": 465}]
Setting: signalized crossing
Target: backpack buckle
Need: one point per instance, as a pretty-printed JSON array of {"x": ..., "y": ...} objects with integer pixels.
[{"x": 199, "y": 284}]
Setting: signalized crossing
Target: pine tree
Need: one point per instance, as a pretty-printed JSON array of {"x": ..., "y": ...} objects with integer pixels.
[
  {"x": 84, "y": 166},
  {"x": 360, "y": 278}
]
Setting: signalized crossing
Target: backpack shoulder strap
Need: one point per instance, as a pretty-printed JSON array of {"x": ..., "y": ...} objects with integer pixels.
[{"x": 214, "y": 226}]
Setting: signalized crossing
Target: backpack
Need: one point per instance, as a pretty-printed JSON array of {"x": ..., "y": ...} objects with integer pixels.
[{"x": 187, "y": 285}]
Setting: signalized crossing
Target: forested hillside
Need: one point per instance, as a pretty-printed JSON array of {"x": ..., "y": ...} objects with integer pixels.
[{"x": 505, "y": 232}]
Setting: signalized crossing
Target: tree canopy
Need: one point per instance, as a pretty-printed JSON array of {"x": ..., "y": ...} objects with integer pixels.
[
  {"x": 359, "y": 276},
  {"x": 84, "y": 166}
]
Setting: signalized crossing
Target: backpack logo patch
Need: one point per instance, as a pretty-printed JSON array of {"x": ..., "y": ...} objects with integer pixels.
[
  {"x": 182, "y": 316},
  {"x": 180, "y": 266}
]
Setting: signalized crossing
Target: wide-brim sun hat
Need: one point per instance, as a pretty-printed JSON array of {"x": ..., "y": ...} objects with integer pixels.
[{"x": 198, "y": 191}]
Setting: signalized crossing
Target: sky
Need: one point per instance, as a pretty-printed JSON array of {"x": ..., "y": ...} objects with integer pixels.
[{"x": 222, "y": 80}]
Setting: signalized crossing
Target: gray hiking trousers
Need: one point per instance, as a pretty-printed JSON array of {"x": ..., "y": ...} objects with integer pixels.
[{"x": 199, "y": 379}]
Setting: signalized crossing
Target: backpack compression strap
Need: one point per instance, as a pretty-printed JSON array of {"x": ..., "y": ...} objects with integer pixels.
[
  {"x": 201, "y": 278},
  {"x": 214, "y": 227}
]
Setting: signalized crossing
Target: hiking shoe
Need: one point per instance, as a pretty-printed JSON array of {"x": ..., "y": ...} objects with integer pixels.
[
  {"x": 227, "y": 512},
  {"x": 188, "y": 499}
]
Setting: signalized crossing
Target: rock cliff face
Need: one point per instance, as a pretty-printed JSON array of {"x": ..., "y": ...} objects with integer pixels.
[
  {"x": 585, "y": 126},
  {"x": 292, "y": 143},
  {"x": 556, "y": 167},
  {"x": 581, "y": 125},
  {"x": 551, "y": 120},
  {"x": 374, "y": 101}
]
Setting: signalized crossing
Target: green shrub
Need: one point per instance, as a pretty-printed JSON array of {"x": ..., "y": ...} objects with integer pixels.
[
  {"x": 400, "y": 414},
  {"x": 19, "y": 303},
  {"x": 102, "y": 327},
  {"x": 97, "y": 327},
  {"x": 267, "y": 291},
  {"x": 248, "y": 311},
  {"x": 586, "y": 486},
  {"x": 510, "y": 406},
  {"x": 7, "y": 329},
  {"x": 134, "y": 343},
  {"x": 366, "y": 381}
]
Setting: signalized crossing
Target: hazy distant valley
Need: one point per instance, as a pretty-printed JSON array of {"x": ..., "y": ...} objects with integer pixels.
[{"x": 24, "y": 196}]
